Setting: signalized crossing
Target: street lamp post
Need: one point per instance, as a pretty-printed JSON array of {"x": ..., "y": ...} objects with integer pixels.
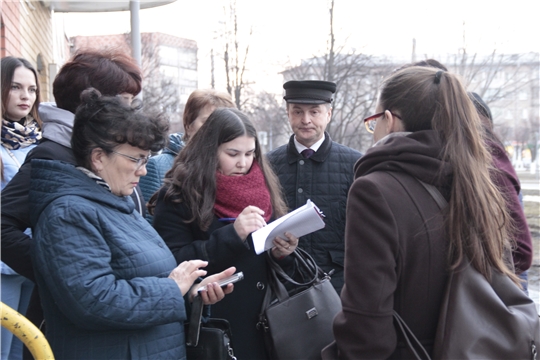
[{"x": 134, "y": 6}]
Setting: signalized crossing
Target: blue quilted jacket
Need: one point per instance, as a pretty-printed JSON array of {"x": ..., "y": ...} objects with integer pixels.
[
  {"x": 102, "y": 271},
  {"x": 158, "y": 166}
]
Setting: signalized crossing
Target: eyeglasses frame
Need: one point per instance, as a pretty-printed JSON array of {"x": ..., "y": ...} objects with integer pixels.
[
  {"x": 378, "y": 115},
  {"x": 139, "y": 162}
]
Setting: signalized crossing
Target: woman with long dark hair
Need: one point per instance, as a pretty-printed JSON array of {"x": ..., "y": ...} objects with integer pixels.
[
  {"x": 219, "y": 190},
  {"x": 198, "y": 108},
  {"x": 21, "y": 125},
  {"x": 399, "y": 245},
  {"x": 21, "y": 132}
]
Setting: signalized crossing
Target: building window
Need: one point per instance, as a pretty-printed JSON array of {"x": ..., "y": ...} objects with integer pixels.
[
  {"x": 168, "y": 54},
  {"x": 169, "y": 71}
]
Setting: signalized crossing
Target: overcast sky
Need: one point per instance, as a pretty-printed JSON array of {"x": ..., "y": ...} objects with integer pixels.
[{"x": 285, "y": 31}]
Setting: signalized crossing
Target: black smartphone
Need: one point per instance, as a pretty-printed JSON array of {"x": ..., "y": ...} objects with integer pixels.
[{"x": 230, "y": 280}]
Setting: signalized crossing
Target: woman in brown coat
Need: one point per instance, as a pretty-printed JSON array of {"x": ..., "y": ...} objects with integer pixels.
[{"x": 399, "y": 246}]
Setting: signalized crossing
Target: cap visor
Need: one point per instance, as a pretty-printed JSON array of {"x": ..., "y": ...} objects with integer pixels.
[{"x": 306, "y": 101}]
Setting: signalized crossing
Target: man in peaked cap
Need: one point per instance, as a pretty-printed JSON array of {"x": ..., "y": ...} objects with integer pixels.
[{"x": 312, "y": 166}]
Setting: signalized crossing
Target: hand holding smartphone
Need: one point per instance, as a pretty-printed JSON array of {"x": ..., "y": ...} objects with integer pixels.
[{"x": 230, "y": 280}]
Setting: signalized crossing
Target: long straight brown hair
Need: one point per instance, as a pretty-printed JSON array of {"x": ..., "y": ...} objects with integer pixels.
[
  {"x": 192, "y": 178},
  {"x": 8, "y": 66},
  {"x": 478, "y": 223}
]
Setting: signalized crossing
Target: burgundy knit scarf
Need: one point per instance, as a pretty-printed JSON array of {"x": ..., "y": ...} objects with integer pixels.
[{"x": 235, "y": 193}]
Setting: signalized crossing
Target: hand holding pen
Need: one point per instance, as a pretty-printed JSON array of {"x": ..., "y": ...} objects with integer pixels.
[{"x": 249, "y": 220}]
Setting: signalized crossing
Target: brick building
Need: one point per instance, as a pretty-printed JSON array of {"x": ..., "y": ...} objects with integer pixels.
[{"x": 26, "y": 31}]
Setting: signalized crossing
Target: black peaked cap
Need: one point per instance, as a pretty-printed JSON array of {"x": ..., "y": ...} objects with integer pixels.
[{"x": 309, "y": 91}]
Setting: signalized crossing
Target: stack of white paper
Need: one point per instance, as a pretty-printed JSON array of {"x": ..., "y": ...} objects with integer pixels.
[{"x": 300, "y": 222}]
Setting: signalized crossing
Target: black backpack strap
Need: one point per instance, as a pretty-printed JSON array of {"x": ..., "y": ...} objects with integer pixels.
[
  {"x": 435, "y": 194},
  {"x": 411, "y": 340}
]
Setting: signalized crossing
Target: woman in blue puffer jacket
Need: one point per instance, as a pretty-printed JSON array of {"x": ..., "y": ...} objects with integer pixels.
[{"x": 110, "y": 287}]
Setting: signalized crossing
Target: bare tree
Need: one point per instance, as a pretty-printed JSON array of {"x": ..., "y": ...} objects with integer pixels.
[
  {"x": 357, "y": 77},
  {"x": 509, "y": 86},
  {"x": 494, "y": 77},
  {"x": 235, "y": 59},
  {"x": 270, "y": 118},
  {"x": 160, "y": 91}
]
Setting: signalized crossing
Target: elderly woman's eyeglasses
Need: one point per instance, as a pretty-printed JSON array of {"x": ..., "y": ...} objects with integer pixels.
[
  {"x": 139, "y": 162},
  {"x": 371, "y": 121}
]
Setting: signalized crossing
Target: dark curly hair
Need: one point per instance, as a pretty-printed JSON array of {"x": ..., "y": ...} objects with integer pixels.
[{"x": 107, "y": 121}]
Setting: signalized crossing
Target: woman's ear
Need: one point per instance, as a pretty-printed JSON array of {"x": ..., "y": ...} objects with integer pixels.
[
  {"x": 393, "y": 123},
  {"x": 97, "y": 158}
]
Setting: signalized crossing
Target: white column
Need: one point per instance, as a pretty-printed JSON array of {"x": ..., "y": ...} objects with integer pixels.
[{"x": 134, "y": 6}]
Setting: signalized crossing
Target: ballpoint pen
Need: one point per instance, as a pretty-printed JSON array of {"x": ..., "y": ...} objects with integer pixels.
[{"x": 227, "y": 219}]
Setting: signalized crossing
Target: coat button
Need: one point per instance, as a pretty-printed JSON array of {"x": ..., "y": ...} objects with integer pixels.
[
  {"x": 300, "y": 190},
  {"x": 301, "y": 162},
  {"x": 160, "y": 244},
  {"x": 260, "y": 286}
]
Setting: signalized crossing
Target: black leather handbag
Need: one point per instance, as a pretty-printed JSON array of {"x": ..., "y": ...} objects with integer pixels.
[
  {"x": 298, "y": 322},
  {"x": 208, "y": 340}
]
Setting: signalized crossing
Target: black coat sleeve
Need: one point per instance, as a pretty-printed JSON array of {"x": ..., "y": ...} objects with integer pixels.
[
  {"x": 15, "y": 220},
  {"x": 220, "y": 245},
  {"x": 16, "y": 209}
]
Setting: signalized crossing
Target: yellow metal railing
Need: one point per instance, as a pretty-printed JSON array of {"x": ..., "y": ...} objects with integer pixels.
[{"x": 27, "y": 332}]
